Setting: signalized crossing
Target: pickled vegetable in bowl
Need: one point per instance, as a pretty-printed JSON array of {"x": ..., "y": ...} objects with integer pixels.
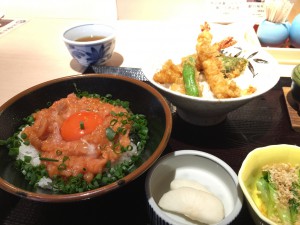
[
  {"x": 189, "y": 187},
  {"x": 269, "y": 178}
]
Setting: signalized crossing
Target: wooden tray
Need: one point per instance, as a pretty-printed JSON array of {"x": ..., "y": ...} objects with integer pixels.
[{"x": 293, "y": 109}]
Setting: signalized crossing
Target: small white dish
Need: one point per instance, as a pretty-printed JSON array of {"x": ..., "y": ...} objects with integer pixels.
[{"x": 213, "y": 173}]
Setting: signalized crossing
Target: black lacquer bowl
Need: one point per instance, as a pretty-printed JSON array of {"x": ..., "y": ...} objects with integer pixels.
[{"x": 143, "y": 99}]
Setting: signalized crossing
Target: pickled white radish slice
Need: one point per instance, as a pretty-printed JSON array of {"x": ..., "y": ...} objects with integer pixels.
[
  {"x": 194, "y": 204},
  {"x": 177, "y": 183}
]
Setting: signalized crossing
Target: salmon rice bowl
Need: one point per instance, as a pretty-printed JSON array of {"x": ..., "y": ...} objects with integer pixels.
[{"x": 79, "y": 143}]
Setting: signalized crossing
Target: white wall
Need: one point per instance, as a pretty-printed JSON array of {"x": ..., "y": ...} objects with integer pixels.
[
  {"x": 86, "y": 9},
  {"x": 134, "y": 9},
  {"x": 159, "y": 9},
  {"x": 190, "y": 10}
]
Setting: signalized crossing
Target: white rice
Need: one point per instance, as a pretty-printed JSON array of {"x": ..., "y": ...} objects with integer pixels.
[
  {"x": 29, "y": 150},
  {"x": 126, "y": 156},
  {"x": 45, "y": 183}
]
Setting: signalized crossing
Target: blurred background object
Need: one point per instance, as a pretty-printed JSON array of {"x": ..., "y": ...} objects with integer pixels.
[
  {"x": 193, "y": 10},
  {"x": 218, "y": 10},
  {"x": 295, "y": 32},
  {"x": 69, "y": 9},
  {"x": 278, "y": 11},
  {"x": 295, "y": 10}
]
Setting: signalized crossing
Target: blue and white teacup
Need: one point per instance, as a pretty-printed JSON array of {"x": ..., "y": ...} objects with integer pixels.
[{"x": 90, "y": 43}]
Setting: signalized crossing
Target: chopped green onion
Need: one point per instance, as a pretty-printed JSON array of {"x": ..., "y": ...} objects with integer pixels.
[
  {"x": 23, "y": 136},
  {"x": 13, "y": 152},
  {"x": 114, "y": 147},
  {"x": 62, "y": 167},
  {"x": 81, "y": 125},
  {"x": 27, "y": 158},
  {"x": 113, "y": 122},
  {"x": 108, "y": 164},
  {"x": 124, "y": 122},
  {"x": 110, "y": 133},
  {"x": 48, "y": 159},
  {"x": 121, "y": 114},
  {"x": 58, "y": 152},
  {"x": 121, "y": 130},
  {"x": 65, "y": 158},
  {"x": 129, "y": 147},
  {"x": 26, "y": 143}
]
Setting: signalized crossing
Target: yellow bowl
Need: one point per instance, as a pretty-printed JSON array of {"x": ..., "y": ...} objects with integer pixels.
[{"x": 249, "y": 172}]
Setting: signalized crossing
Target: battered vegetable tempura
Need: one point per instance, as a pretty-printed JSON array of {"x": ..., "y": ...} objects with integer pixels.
[{"x": 216, "y": 69}]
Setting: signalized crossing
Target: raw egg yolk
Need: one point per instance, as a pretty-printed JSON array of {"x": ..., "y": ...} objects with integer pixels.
[{"x": 80, "y": 124}]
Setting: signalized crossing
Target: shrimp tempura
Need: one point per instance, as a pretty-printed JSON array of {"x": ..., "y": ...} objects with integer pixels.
[{"x": 212, "y": 66}]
